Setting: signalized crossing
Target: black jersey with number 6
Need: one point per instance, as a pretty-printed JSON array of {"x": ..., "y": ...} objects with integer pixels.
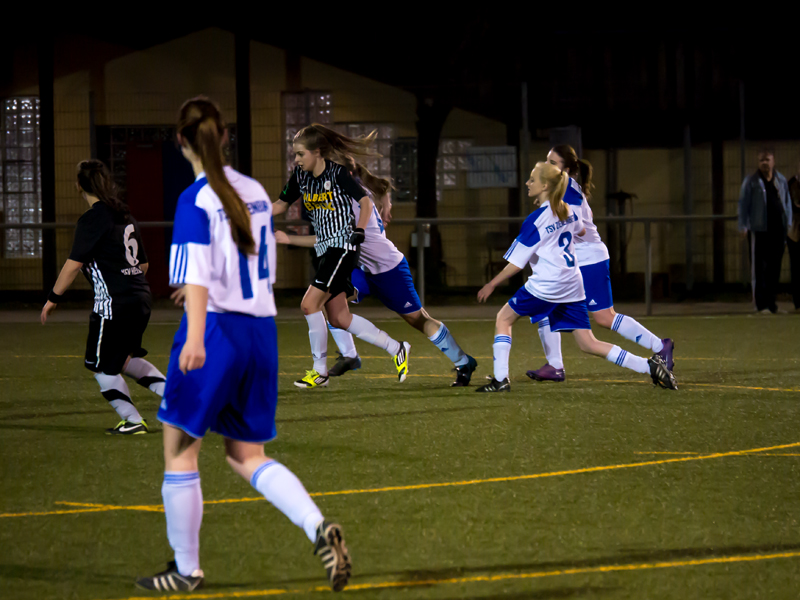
[{"x": 110, "y": 247}]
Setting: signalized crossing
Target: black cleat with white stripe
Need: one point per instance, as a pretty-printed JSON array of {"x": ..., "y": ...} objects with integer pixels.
[
  {"x": 171, "y": 580},
  {"x": 333, "y": 553},
  {"x": 660, "y": 374}
]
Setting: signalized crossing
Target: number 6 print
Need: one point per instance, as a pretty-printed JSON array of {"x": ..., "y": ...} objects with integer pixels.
[{"x": 131, "y": 246}]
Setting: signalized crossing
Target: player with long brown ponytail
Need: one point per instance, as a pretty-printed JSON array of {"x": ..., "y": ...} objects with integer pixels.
[{"x": 328, "y": 191}]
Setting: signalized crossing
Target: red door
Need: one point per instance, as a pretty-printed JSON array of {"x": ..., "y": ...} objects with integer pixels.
[{"x": 145, "y": 196}]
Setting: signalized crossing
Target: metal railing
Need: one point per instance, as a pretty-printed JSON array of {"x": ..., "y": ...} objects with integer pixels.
[{"x": 422, "y": 226}]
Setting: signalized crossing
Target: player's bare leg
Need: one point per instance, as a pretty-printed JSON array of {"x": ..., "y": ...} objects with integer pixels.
[{"x": 440, "y": 336}]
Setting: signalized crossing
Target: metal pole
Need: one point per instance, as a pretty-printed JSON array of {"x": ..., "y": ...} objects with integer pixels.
[
  {"x": 688, "y": 204},
  {"x": 421, "y": 261},
  {"x": 648, "y": 269},
  {"x": 741, "y": 132}
]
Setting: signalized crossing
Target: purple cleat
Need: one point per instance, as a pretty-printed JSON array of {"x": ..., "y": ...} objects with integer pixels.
[
  {"x": 547, "y": 373},
  {"x": 666, "y": 352}
]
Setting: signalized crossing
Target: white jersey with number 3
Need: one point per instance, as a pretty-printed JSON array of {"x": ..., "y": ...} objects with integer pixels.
[
  {"x": 203, "y": 251},
  {"x": 548, "y": 244},
  {"x": 589, "y": 248}
]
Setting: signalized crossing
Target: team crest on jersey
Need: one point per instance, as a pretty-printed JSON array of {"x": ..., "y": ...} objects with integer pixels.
[{"x": 327, "y": 185}]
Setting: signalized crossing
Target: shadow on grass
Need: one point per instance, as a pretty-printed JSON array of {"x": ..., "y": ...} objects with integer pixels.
[
  {"x": 88, "y": 430},
  {"x": 387, "y": 414},
  {"x": 624, "y": 556},
  {"x": 565, "y": 592},
  {"x": 50, "y": 415}
]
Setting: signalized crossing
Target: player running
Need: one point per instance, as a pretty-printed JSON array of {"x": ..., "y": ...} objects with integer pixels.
[
  {"x": 592, "y": 256},
  {"x": 223, "y": 369},
  {"x": 383, "y": 272},
  {"x": 555, "y": 288},
  {"x": 108, "y": 250},
  {"x": 328, "y": 192}
]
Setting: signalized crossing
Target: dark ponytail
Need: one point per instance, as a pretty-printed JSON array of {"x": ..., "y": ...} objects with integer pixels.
[
  {"x": 95, "y": 179},
  {"x": 201, "y": 127},
  {"x": 579, "y": 169}
]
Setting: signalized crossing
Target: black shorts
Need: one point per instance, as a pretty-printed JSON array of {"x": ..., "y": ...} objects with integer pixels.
[
  {"x": 112, "y": 341},
  {"x": 333, "y": 271}
]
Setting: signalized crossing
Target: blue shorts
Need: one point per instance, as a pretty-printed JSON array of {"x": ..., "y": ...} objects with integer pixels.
[
  {"x": 566, "y": 316},
  {"x": 236, "y": 392},
  {"x": 394, "y": 288},
  {"x": 597, "y": 285}
]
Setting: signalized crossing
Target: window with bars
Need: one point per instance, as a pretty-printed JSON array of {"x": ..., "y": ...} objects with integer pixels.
[{"x": 20, "y": 176}]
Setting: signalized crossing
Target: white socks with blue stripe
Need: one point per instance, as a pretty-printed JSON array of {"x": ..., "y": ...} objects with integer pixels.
[
  {"x": 364, "y": 330},
  {"x": 623, "y": 358},
  {"x": 318, "y": 336},
  {"x": 283, "y": 489},
  {"x": 551, "y": 342},
  {"x": 501, "y": 349},
  {"x": 115, "y": 390},
  {"x": 344, "y": 341},
  {"x": 632, "y": 330},
  {"x": 445, "y": 342},
  {"x": 183, "y": 506}
]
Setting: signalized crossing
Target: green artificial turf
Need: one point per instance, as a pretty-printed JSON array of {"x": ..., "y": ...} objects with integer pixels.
[{"x": 709, "y": 527}]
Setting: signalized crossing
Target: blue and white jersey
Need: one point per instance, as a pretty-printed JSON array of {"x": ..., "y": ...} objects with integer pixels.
[
  {"x": 589, "y": 248},
  {"x": 378, "y": 253},
  {"x": 203, "y": 251},
  {"x": 547, "y": 244}
]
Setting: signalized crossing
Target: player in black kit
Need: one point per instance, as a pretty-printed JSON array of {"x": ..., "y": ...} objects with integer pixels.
[{"x": 108, "y": 249}]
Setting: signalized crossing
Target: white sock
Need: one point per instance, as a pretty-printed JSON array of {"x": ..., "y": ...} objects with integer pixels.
[
  {"x": 344, "y": 341},
  {"x": 501, "y": 349},
  {"x": 146, "y": 375},
  {"x": 445, "y": 342},
  {"x": 551, "y": 342},
  {"x": 632, "y": 330},
  {"x": 183, "y": 506},
  {"x": 283, "y": 489},
  {"x": 623, "y": 358},
  {"x": 364, "y": 330},
  {"x": 115, "y": 390},
  {"x": 318, "y": 336}
]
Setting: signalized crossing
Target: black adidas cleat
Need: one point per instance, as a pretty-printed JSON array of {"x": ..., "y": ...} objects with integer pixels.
[
  {"x": 464, "y": 373},
  {"x": 171, "y": 580},
  {"x": 400, "y": 361},
  {"x": 660, "y": 374},
  {"x": 495, "y": 386},
  {"x": 128, "y": 428},
  {"x": 333, "y": 553},
  {"x": 343, "y": 365}
]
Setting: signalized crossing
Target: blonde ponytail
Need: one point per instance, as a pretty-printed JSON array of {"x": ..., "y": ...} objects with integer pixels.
[{"x": 558, "y": 181}]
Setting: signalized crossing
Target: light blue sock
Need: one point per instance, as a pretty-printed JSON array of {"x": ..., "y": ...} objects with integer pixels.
[
  {"x": 501, "y": 349},
  {"x": 344, "y": 341},
  {"x": 183, "y": 506},
  {"x": 445, "y": 342},
  {"x": 283, "y": 489}
]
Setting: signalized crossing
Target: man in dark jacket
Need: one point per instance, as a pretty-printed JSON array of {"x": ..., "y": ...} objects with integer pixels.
[{"x": 765, "y": 214}]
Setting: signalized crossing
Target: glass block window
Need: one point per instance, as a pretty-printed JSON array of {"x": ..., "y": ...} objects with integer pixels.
[
  {"x": 379, "y": 166},
  {"x": 298, "y": 110},
  {"x": 452, "y": 161},
  {"x": 20, "y": 176}
]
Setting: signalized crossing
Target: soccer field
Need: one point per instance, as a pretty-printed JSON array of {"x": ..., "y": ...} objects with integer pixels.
[{"x": 599, "y": 487}]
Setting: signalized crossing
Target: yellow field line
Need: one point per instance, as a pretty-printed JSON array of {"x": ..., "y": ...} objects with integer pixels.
[
  {"x": 423, "y": 486},
  {"x": 683, "y": 359},
  {"x": 144, "y": 507},
  {"x": 666, "y": 453},
  {"x": 487, "y": 578},
  {"x": 56, "y": 512}
]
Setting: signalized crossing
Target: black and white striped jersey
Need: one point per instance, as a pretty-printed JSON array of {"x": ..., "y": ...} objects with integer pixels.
[
  {"x": 111, "y": 250},
  {"x": 327, "y": 199}
]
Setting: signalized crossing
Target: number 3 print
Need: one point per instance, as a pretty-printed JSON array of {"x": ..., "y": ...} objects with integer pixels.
[{"x": 563, "y": 242}]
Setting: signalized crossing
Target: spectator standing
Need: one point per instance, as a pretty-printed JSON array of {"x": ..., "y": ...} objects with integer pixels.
[
  {"x": 793, "y": 237},
  {"x": 765, "y": 213}
]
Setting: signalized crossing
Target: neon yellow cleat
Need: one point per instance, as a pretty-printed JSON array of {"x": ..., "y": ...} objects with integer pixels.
[
  {"x": 312, "y": 380},
  {"x": 401, "y": 361}
]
